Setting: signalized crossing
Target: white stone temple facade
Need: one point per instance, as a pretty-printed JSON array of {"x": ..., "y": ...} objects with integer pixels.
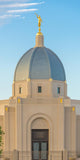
[{"x": 40, "y": 120}]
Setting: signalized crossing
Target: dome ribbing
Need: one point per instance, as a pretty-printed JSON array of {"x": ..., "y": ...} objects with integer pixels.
[{"x": 39, "y": 63}]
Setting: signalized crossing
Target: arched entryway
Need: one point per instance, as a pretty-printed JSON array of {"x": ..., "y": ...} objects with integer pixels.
[
  {"x": 40, "y": 139},
  {"x": 39, "y": 136}
]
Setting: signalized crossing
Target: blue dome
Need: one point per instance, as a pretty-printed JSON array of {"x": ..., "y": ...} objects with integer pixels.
[{"x": 39, "y": 63}]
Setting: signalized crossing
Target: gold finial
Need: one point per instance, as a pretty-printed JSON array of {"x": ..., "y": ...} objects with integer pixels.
[
  {"x": 28, "y": 79},
  {"x": 6, "y": 109},
  {"x": 50, "y": 79},
  {"x": 19, "y": 100},
  {"x": 39, "y": 23},
  {"x": 73, "y": 108},
  {"x": 61, "y": 100}
]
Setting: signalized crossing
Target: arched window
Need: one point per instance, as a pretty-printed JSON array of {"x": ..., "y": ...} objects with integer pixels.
[
  {"x": 58, "y": 90},
  {"x": 20, "y": 90}
]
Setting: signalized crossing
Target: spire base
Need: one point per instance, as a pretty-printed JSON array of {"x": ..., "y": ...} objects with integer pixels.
[{"x": 39, "y": 40}]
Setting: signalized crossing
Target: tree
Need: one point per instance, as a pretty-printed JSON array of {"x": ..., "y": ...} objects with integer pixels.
[{"x": 1, "y": 140}]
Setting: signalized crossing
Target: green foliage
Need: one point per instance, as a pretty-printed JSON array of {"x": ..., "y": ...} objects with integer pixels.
[{"x": 1, "y": 140}]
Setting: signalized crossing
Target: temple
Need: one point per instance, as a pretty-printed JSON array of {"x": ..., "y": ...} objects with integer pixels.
[{"x": 40, "y": 121}]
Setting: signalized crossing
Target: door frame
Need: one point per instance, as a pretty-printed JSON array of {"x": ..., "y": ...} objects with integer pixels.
[{"x": 35, "y": 139}]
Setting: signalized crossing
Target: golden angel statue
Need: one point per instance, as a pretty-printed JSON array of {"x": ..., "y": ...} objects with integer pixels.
[{"x": 39, "y": 21}]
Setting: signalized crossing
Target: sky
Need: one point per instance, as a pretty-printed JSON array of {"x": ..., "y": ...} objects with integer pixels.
[{"x": 61, "y": 30}]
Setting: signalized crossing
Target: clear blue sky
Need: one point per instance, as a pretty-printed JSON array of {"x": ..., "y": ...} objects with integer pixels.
[{"x": 61, "y": 29}]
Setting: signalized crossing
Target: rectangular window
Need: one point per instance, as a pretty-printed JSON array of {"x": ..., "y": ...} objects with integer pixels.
[
  {"x": 20, "y": 90},
  {"x": 39, "y": 89},
  {"x": 58, "y": 90}
]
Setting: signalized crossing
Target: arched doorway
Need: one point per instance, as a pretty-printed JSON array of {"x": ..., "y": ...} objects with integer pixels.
[
  {"x": 40, "y": 139},
  {"x": 39, "y": 136}
]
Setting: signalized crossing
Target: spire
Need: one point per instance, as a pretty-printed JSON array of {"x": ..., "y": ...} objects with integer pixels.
[{"x": 39, "y": 35}]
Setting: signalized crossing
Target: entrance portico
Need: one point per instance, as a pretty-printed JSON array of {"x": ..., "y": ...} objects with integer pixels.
[{"x": 39, "y": 136}]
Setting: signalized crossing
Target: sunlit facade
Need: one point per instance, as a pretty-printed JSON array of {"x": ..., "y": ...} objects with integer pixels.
[{"x": 40, "y": 120}]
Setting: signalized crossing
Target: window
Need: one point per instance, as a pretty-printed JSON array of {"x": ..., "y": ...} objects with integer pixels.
[
  {"x": 58, "y": 90},
  {"x": 39, "y": 89},
  {"x": 20, "y": 90}
]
